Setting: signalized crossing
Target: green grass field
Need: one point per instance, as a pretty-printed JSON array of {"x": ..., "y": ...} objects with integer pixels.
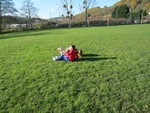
[{"x": 113, "y": 76}]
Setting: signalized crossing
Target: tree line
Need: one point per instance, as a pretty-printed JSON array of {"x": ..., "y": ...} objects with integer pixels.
[
  {"x": 124, "y": 11},
  {"x": 28, "y": 11},
  {"x": 7, "y": 9},
  {"x": 128, "y": 11}
]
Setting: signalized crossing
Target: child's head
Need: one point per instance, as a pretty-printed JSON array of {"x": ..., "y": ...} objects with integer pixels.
[{"x": 72, "y": 47}]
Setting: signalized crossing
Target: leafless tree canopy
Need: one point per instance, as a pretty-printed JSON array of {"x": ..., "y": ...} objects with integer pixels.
[
  {"x": 29, "y": 11},
  {"x": 67, "y": 6}
]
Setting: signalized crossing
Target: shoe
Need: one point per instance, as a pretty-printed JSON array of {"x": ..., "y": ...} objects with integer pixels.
[{"x": 54, "y": 58}]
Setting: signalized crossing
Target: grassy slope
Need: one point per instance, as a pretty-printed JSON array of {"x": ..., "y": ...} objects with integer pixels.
[{"x": 113, "y": 76}]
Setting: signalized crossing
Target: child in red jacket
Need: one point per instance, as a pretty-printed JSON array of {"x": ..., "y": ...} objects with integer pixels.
[{"x": 67, "y": 55}]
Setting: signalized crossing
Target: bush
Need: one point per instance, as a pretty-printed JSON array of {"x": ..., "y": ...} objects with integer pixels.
[{"x": 118, "y": 22}]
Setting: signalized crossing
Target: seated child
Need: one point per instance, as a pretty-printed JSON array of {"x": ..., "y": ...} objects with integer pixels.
[
  {"x": 78, "y": 52},
  {"x": 68, "y": 55}
]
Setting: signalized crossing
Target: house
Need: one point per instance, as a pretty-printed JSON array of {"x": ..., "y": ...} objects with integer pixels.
[{"x": 16, "y": 26}]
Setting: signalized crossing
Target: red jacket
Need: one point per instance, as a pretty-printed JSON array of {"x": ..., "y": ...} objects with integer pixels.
[{"x": 71, "y": 54}]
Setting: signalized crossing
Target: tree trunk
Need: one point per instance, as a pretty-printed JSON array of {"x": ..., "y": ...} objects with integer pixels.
[
  {"x": 0, "y": 24},
  {"x": 30, "y": 23},
  {"x": 86, "y": 17},
  {"x": 30, "y": 20},
  {"x": 142, "y": 17},
  {"x": 0, "y": 17},
  {"x": 69, "y": 21}
]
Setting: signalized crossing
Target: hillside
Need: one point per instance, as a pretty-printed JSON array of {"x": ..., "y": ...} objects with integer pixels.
[
  {"x": 105, "y": 12},
  {"x": 141, "y": 4}
]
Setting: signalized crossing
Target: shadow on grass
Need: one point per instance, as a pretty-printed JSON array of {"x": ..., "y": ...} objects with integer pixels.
[
  {"x": 25, "y": 34},
  {"x": 97, "y": 59},
  {"x": 90, "y": 55},
  {"x": 93, "y": 57}
]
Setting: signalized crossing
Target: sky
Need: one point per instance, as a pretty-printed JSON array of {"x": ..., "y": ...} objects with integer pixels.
[{"x": 51, "y": 8}]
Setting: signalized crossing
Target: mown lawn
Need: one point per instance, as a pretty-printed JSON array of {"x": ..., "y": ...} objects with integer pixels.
[{"x": 113, "y": 76}]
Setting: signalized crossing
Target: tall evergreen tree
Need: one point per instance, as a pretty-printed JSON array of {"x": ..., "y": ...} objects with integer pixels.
[
  {"x": 121, "y": 11},
  {"x": 115, "y": 12}
]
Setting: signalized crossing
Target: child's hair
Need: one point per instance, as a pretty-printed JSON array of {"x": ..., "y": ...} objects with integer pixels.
[{"x": 73, "y": 46}]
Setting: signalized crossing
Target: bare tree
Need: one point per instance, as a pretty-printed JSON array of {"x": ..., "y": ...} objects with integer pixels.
[
  {"x": 29, "y": 11},
  {"x": 86, "y": 5},
  {"x": 68, "y": 6},
  {"x": 6, "y": 8}
]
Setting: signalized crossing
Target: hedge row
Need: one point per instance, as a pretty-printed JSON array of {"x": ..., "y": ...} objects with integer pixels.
[{"x": 96, "y": 23}]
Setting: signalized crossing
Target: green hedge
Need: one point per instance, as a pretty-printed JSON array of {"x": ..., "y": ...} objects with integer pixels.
[{"x": 96, "y": 23}]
